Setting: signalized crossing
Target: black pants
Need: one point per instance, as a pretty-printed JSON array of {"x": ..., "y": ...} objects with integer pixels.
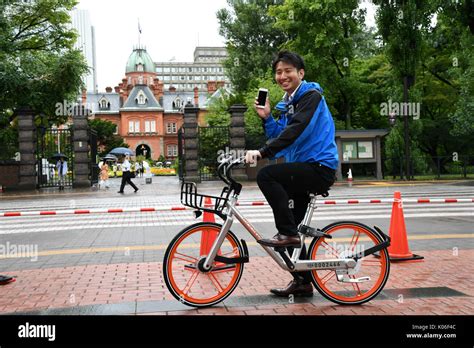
[
  {"x": 287, "y": 186},
  {"x": 126, "y": 179}
]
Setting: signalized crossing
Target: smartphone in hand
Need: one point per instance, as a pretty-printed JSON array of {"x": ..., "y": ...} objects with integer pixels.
[{"x": 262, "y": 97}]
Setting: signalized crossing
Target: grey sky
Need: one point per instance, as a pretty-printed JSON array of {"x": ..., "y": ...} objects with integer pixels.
[{"x": 170, "y": 28}]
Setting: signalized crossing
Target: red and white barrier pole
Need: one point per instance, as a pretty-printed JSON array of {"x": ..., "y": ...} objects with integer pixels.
[{"x": 241, "y": 204}]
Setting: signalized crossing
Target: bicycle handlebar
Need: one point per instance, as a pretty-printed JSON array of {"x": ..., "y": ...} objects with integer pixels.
[{"x": 225, "y": 170}]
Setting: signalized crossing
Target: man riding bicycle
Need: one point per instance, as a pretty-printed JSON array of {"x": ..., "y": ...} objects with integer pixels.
[{"x": 305, "y": 136}]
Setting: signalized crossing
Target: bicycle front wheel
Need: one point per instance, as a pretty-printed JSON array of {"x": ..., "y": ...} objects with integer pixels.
[
  {"x": 182, "y": 276},
  {"x": 350, "y": 237}
]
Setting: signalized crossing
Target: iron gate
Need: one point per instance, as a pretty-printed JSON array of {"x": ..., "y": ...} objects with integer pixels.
[
  {"x": 93, "y": 164},
  {"x": 212, "y": 143},
  {"x": 53, "y": 143}
]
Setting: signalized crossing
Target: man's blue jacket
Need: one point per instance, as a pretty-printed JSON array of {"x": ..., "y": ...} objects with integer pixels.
[{"x": 305, "y": 131}]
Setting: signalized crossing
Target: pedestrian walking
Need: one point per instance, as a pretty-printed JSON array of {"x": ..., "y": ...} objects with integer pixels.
[
  {"x": 126, "y": 175},
  {"x": 61, "y": 166},
  {"x": 104, "y": 175}
]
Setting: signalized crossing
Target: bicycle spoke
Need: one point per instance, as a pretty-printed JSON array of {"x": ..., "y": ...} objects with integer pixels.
[
  {"x": 184, "y": 257},
  {"x": 355, "y": 285},
  {"x": 234, "y": 252},
  {"x": 333, "y": 274},
  {"x": 188, "y": 286},
  {"x": 216, "y": 283},
  {"x": 328, "y": 248},
  {"x": 356, "y": 239}
]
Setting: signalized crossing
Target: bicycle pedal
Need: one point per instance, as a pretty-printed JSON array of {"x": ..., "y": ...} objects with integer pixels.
[{"x": 313, "y": 232}]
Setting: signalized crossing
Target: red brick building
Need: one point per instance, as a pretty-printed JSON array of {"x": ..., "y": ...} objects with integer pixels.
[{"x": 147, "y": 116}]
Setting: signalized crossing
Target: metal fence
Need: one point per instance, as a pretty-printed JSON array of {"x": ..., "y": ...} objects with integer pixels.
[
  {"x": 51, "y": 142},
  {"x": 212, "y": 142},
  {"x": 440, "y": 167}
]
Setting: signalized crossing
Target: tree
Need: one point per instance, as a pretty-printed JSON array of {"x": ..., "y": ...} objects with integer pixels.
[
  {"x": 106, "y": 139},
  {"x": 326, "y": 32},
  {"x": 38, "y": 65},
  {"x": 251, "y": 40}
]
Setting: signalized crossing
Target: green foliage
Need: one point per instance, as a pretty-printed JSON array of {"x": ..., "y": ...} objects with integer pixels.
[
  {"x": 105, "y": 135},
  {"x": 360, "y": 68},
  {"x": 218, "y": 112},
  {"x": 251, "y": 38},
  {"x": 38, "y": 65}
]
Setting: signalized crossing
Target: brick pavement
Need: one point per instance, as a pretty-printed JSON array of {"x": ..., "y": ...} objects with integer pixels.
[{"x": 107, "y": 284}]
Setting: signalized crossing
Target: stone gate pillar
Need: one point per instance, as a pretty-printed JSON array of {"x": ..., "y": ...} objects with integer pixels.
[
  {"x": 27, "y": 146},
  {"x": 237, "y": 137},
  {"x": 191, "y": 166},
  {"x": 81, "y": 148}
]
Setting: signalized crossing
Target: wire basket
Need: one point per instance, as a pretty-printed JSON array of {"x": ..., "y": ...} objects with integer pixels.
[{"x": 190, "y": 198}]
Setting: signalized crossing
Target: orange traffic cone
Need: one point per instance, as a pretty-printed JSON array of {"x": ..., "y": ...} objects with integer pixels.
[
  {"x": 399, "y": 250},
  {"x": 207, "y": 237}
]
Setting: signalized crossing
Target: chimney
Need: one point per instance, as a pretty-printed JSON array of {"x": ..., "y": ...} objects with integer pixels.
[
  {"x": 108, "y": 89},
  {"x": 196, "y": 97},
  {"x": 84, "y": 97},
  {"x": 211, "y": 87}
]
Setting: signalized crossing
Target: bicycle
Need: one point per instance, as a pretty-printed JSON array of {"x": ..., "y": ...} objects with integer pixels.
[{"x": 204, "y": 262}]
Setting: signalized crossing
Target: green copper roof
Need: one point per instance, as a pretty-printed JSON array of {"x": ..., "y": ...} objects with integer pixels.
[{"x": 140, "y": 56}]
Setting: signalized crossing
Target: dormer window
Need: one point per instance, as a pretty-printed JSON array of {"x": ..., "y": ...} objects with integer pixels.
[
  {"x": 139, "y": 67},
  {"x": 104, "y": 104},
  {"x": 141, "y": 98},
  {"x": 177, "y": 103}
]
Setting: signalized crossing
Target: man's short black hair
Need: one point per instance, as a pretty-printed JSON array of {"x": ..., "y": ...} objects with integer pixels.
[{"x": 289, "y": 58}]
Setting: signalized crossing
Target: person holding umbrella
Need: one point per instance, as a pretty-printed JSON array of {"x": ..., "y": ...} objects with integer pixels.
[
  {"x": 126, "y": 175},
  {"x": 61, "y": 167}
]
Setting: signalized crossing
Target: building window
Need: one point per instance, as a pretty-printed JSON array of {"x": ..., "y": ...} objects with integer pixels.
[
  {"x": 172, "y": 150},
  {"x": 141, "y": 99},
  {"x": 133, "y": 126},
  {"x": 104, "y": 104},
  {"x": 116, "y": 129},
  {"x": 171, "y": 128},
  {"x": 139, "y": 67},
  {"x": 150, "y": 126}
]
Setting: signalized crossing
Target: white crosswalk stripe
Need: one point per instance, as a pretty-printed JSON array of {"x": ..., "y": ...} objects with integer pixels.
[{"x": 255, "y": 214}]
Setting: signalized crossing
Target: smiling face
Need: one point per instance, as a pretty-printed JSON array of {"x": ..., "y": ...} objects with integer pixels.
[{"x": 288, "y": 76}]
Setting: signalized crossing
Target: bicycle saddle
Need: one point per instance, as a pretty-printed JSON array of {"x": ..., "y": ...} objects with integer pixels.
[{"x": 321, "y": 193}]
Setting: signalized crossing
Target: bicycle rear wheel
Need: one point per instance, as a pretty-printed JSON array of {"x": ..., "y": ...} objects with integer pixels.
[
  {"x": 182, "y": 276},
  {"x": 349, "y": 237}
]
